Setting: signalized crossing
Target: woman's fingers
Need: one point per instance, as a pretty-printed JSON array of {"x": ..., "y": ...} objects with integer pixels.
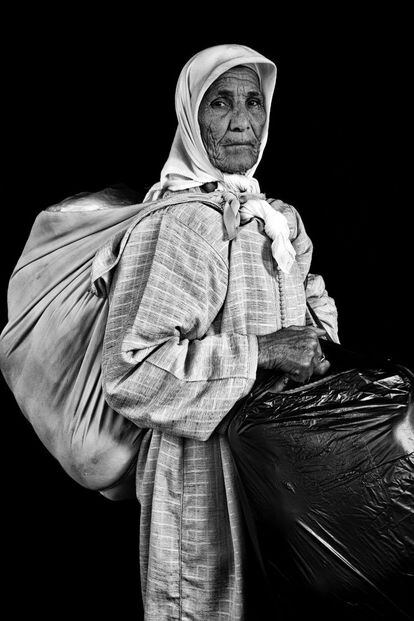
[
  {"x": 294, "y": 350},
  {"x": 312, "y": 361},
  {"x": 322, "y": 367}
]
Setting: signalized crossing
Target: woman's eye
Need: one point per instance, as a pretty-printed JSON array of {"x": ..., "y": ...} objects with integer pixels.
[
  {"x": 255, "y": 103},
  {"x": 218, "y": 103}
]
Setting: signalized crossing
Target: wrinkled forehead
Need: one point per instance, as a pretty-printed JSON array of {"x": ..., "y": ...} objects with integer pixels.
[
  {"x": 208, "y": 65},
  {"x": 240, "y": 75}
]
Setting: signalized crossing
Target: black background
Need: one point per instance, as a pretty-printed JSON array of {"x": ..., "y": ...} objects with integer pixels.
[{"x": 90, "y": 103}]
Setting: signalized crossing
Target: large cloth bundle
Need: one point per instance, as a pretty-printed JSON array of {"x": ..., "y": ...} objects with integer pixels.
[
  {"x": 326, "y": 474},
  {"x": 50, "y": 349}
]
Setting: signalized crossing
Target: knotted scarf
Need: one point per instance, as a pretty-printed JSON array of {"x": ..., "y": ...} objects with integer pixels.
[{"x": 242, "y": 202}]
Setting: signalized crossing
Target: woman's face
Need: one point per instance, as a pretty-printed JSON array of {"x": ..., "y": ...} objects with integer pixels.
[{"x": 231, "y": 118}]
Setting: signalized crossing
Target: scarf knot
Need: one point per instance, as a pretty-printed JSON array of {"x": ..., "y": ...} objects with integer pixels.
[
  {"x": 242, "y": 206},
  {"x": 231, "y": 213}
]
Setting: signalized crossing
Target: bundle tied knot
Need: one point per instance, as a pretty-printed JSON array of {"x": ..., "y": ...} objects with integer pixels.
[{"x": 242, "y": 206}]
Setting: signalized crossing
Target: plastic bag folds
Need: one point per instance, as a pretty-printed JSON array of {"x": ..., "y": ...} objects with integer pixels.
[{"x": 326, "y": 477}]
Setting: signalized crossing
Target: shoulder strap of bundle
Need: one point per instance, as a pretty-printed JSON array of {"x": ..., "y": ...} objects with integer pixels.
[{"x": 110, "y": 253}]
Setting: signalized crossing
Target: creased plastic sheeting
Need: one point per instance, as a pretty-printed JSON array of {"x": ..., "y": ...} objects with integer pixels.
[{"x": 326, "y": 475}]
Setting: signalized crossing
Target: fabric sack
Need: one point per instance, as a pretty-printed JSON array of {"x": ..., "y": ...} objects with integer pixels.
[{"x": 50, "y": 349}]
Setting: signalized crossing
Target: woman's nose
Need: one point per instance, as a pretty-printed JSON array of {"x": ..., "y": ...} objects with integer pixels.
[{"x": 239, "y": 120}]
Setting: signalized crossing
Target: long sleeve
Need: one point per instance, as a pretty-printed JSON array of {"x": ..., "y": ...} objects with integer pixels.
[
  {"x": 163, "y": 365},
  {"x": 316, "y": 293},
  {"x": 315, "y": 289},
  {"x": 323, "y": 305}
]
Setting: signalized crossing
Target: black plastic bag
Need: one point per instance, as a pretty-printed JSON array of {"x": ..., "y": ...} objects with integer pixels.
[{"x": 326, "y": 477}]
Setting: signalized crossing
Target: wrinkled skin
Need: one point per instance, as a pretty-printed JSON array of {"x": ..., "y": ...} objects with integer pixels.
[
  {"x": 295, "y": 351},
  {"x": 231, "y": 117}
]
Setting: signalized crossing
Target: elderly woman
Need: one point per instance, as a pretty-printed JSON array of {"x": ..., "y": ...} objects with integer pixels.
[{"x": 202, "y": 298}]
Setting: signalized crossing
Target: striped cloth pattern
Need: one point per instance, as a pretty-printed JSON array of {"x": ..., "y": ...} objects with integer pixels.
[{"x": 180, "y": 350}]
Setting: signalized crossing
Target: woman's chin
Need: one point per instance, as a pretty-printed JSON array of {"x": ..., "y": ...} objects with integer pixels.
[{"x": 237, "y": 167}]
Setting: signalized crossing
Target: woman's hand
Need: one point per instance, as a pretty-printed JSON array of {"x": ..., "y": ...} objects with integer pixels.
[{"x": 295, "y": 351}]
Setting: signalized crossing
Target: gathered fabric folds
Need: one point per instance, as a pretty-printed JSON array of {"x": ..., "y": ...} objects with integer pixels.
[
  {"x": 243, "y": 201},
  {"x": 51, "y": 347}
]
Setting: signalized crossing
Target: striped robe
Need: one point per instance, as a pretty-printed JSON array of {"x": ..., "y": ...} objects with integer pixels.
[{"x": 180, "y": 350}]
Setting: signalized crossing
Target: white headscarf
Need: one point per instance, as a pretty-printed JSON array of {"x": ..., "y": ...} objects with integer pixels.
[{"x": 188, "y": 164}]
